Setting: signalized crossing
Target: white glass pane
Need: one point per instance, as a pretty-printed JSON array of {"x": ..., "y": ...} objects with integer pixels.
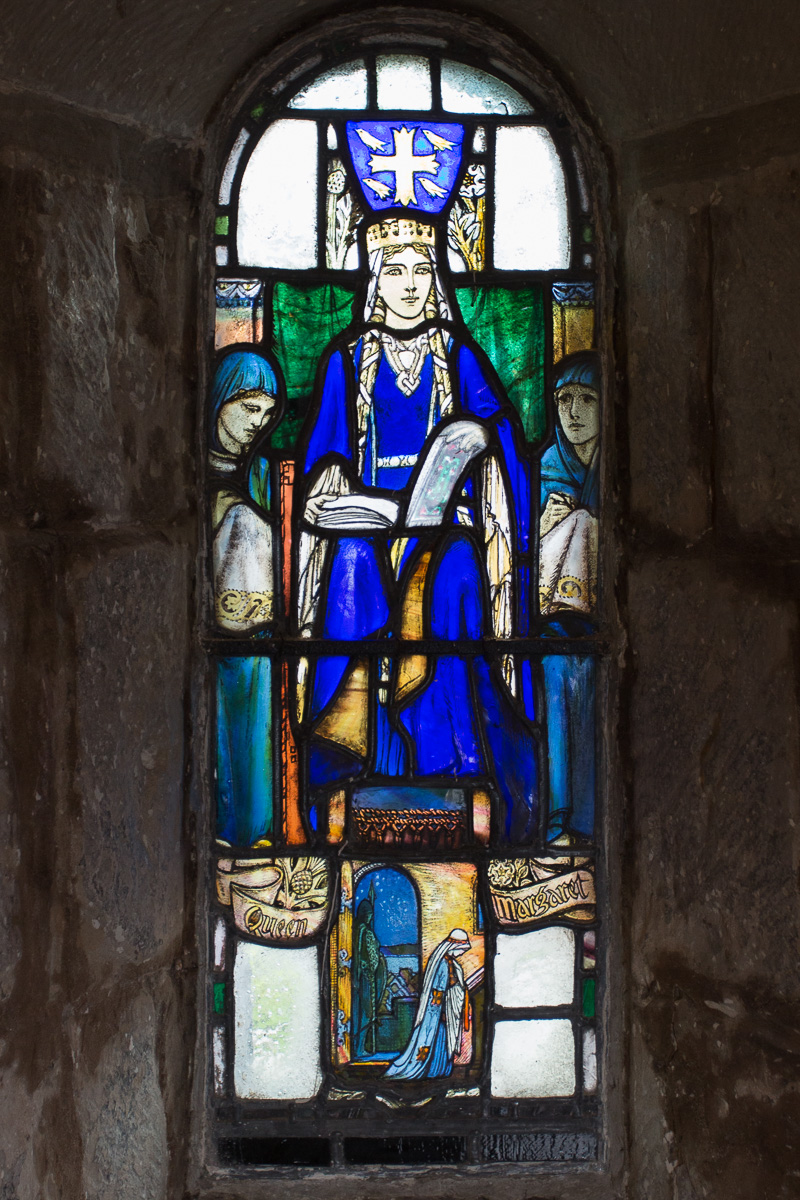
[
  {"x": 221, "y": 255},
  {"x": 479, "y": 140},
  {"x": 230, "y": 167},
  {"x": 332, "y": 143},
  {"x": 219, "y": 1060},
  {"x": 404, "y": 81},
  {"x": 219, "y": 945},
  {"x": 589, "y": 1061},
  {"x": 534, "y": 969},
  {"x": 468, "y": 90},
  {"x": 342, "y": 87},
  {"x": 278, "y": 198},
  {"x": 531, "y": 231},
  {"x": 277, "y": 1006},
  {"x": 533, "y": 1059}
]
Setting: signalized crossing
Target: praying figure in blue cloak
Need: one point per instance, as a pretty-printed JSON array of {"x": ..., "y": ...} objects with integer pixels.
[
  {"x": 244, "y": 406},
  {"x": 442, "y": 1016},
  {"x": 568, "y": 593},
  {"x": 414, "y": 500}
]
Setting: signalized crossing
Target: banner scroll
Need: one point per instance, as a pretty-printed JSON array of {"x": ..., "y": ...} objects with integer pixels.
[
  {"x": 280, "y": 901},
  {"x": 529, "y": 890}
]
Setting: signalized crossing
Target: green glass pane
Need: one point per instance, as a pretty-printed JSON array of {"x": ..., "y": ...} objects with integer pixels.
[
  {"x": 588, "y": 235},
  {"x": 219, "y": 997},
  {"x": 257, "y": 112},
  {"x": 588, "y": 997},
  {"x": 305, "y": 320},
  {"x": 509, "y": 325},
  {"x": 221, "y": 226}
]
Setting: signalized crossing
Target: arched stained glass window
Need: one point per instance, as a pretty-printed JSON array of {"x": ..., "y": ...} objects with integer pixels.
[{"x": 403, "y": 429}]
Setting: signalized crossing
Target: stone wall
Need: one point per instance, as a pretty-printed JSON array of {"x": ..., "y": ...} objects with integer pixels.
[
  {"x": 102, "y": 114},
  {"x": 710, "y": 289},
  {"x": 96, "y": 581}
]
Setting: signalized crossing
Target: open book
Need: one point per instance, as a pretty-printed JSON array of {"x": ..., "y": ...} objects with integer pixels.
[
  {"x": 443, "y": 467},
  {"x": 358, "y": 511}
]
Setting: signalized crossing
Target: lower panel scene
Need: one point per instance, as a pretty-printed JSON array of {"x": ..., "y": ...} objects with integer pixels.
[{"x": 404, "y": 1011}]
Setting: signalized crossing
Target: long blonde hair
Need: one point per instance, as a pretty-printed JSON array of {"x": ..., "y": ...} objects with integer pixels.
[{"x": 436, "y": 308}]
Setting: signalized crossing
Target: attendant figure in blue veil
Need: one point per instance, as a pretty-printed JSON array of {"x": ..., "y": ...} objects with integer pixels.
[
  {"x": 244, "y": 405},
  {"x": 567, "y": 592},
  {"x": 410, "y": 422},
  {"x": 442, "y": 1015}
]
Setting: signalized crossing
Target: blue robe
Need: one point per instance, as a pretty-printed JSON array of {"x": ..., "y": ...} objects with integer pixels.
[
  {"x": 244, "y": 764},
  {"x": 463, "y": 721},
  {"x": 427, "y": 1056},
  {"x": 569, "y": 680}
]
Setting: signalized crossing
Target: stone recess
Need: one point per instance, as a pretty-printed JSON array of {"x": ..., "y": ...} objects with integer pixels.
[
  {"x": 108, "y": 112},
  {"x": 641, "y": 67},
  {"x": 756, "y": 373},
  {"x": 667, "y": 332}
]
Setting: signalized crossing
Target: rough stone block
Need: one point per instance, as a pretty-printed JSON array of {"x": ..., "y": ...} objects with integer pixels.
[
  {"x": 714, "y": 912},
  {"x": 666, "y": 284},
  {"x": 96, "y": 420},
  {"x": 756, "y": 236},
  {"x": 715, "y": 755},
  {"x": 33, "y": 879},
  {"x": 130, "y": 646},
  {"x": 120, "y": 1108}
]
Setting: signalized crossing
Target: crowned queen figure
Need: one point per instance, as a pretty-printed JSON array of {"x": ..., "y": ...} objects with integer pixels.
[{"x": 413, "y": 502}]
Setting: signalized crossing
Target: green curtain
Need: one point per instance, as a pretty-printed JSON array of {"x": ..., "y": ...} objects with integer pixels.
[
  {"x": 508, "y": 324},
  {"x": 305, "y": 320}
]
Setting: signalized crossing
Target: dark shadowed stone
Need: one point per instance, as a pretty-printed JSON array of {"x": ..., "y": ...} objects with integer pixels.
[
  {"x": 120, "y": 1108},
  {"x": 756, "y": 372},
  {"x": 638, "y": 67},
  {"x": 32, "y": 782},
  {"x": 94, "y": 360},
  {"x": 715, "y": 917},
  {"x": 715, "y": 752},
  {"x": 22, "y": 1117},
  {"x": 666, "y": 272},
  {"x": 36, "y": 950},
  {"x": 129, "y": 610}
]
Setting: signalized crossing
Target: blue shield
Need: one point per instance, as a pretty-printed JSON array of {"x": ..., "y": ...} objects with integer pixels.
[{"x": 407, "y": 164}]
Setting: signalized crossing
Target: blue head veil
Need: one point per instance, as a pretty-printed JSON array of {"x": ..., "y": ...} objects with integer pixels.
[
  {"x": 562, "y": 470},
  {"x": 241, "y": 371},
  {"x": 583, "y": 367}
]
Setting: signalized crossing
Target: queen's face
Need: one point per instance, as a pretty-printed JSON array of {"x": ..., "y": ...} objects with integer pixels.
[
  {"x": 241, "y": 418},
  {"x": 579, "y": 413},
  {"x": 404, "y": 285}
]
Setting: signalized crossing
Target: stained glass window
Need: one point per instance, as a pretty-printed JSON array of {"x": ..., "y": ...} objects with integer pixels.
[{"x": 403, "y": 427}]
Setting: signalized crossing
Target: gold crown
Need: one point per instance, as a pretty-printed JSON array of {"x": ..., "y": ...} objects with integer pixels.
[{"x": 398, "y": 231}]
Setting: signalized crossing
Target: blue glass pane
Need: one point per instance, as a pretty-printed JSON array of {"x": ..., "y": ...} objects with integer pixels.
[
  {"x": 569, "y": 684},
  {"x": 244, "y": 751}
]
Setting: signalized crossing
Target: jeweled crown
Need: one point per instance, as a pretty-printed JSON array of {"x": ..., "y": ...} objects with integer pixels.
[{"x": 398, "y": 231}]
